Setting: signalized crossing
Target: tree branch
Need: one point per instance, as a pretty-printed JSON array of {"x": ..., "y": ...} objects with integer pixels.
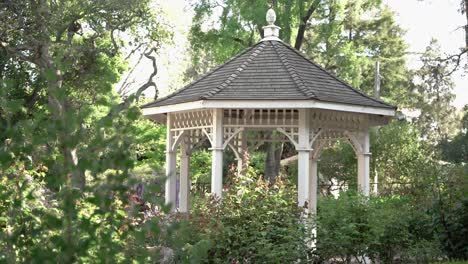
[
  {"x": 302, "y": 27},
  {"x": 150, "y": 83},
  {"x": 455, "y": 58},
  {"x": 122, "y": 91},
  {"x": 242, "y": 42},
  {"x": 18, "y": 52}
]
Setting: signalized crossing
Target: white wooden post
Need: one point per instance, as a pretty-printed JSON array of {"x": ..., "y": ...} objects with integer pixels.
[
  {"x": 376, "y": 183},
  {"x": 363, "y": 158},
  {"x": 376, "y": 129},
  {"x": 184, "y": 190},
  {"x": 304, "y": 150},
  {"x": 217, "y": 150},
  {"x": 171, "y": 159},
  {"x": 313, "y": 186}
]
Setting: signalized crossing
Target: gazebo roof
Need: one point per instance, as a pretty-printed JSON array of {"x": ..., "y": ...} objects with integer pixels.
[{"x": 270, "y": 70}]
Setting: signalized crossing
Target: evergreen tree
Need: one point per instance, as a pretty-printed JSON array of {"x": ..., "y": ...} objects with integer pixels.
[{"x": 433, "y": 83}]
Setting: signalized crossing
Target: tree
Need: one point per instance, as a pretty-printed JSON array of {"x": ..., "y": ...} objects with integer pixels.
[
  {"x": 456, "y": 60},
  {"x": 347, "y": 44},
  {"x": 63, "y": 42},
  {"x": 456, "y": 149},
  {"x": 240, "y": 26},
  {"x": 401, "y": 158},
  {"x": 434, "y": 87},
  {"x": 69, "y": 144}
]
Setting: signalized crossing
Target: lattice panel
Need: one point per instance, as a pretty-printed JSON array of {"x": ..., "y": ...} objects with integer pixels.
[
  {"x": 260, "y": 117},
  {"x": 327, "y": 137},
  {"x": 230, "y": 134},
  {"x": 176, "y": 135},
  {"x": 338, "y": 120},
  {"x": 331, "y": 134},
  {"x": 208, "y": 131},
  {"x": 192, "y": 119},
  {"x": 292, "y": 133},
  {"x": 194, "y": 138}
]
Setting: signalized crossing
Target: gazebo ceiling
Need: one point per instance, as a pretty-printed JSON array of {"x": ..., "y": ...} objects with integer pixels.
[{"x": 270, "y": 70}]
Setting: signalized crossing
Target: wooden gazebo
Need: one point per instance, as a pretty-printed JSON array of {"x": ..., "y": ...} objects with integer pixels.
[{"x": 268, "y": 87}]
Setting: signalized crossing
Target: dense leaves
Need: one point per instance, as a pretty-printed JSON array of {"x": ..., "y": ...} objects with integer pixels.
[
  {"x": 254, "y": 223},
  {"x": 351, "y": 227},
  {"x": 70, "y": 144}
]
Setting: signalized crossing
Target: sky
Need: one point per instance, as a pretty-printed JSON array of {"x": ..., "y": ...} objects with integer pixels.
[
  {"x": 422, "y": 20},
  {"x": 439, "y": 19}
]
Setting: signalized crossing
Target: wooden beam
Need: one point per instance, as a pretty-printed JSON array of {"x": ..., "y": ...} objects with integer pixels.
[{"x": 268, "y": 104}]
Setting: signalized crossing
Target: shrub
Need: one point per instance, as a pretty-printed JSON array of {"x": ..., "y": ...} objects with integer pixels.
[
  {"x": 255, "y": 222},
  {"x": 383, "y": 229},
  {"x": 342, "y": 227},
  {"x": 449, "y": 211}
]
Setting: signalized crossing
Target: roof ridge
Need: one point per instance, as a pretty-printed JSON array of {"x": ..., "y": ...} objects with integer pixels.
[
  {"x": 236, "y": 73},
  {"x": 301, "y": 86},
  {"x": 204, "y": 76},
  {"x": 338, "y": 79}
]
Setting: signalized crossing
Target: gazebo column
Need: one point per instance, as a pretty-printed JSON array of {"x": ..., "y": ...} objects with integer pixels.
[
  {"x": 304, "y": 152},
  {"x": 171, "y": 159},
  {"x": 184, "y": 190},
  {"x": 217, "y": 150},
  {"x": 313, "y": 185},
  {"x": 363, "y": 158}
]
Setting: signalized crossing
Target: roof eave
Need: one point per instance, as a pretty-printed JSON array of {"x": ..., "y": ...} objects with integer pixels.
[{"x": 268, "y": 104}]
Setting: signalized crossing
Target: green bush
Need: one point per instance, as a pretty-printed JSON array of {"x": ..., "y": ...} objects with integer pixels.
[
  {"x": 342, "y": 227},
  {"x": 382, "y": 229},
  {"x": 449, "y": 210},
  {"x": 254, "y": 223}
]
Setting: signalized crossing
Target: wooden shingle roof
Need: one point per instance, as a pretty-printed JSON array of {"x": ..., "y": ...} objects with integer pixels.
[{"x": 270, "y": 70}]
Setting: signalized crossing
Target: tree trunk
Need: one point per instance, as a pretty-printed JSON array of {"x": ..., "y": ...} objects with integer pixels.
[
  {"x": 273, "y": 159},
  {"x": 303, "y": 24},
  {"x": 59, "y": 105},
  {"x": 466, "y": 26}
]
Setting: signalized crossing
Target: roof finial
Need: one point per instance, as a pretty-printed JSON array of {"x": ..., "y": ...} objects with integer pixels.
[
  {"x": 271, "y": 17},
  {"x": 271, "y": 32}
]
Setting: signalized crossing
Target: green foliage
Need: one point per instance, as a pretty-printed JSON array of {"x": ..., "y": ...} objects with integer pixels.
[
  {"x": 450, "y": 262},
  {"x": 456, "y": 149},
  {"x": 200, "y": 169},
  {"x": 401, "y": 158},
  {"x": 25, "y": 218},
  {"x": 254, "y": 223},
  {"x": 70, "y": 145},
  {"x": 434, "y": 87},
  {"x": 449, "y": 209},
  {"x": 44, "y": 219},
  {"x": 257, "y": 162},
  {"x": 338, "y": 165},
  {"x": 150, "y": 141},
  {"x": 352, "y": 226},
  {"x": 347, "y": 44},
  {"x": 342, "y": 227},
  {"x": 72, "y": 150}
]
